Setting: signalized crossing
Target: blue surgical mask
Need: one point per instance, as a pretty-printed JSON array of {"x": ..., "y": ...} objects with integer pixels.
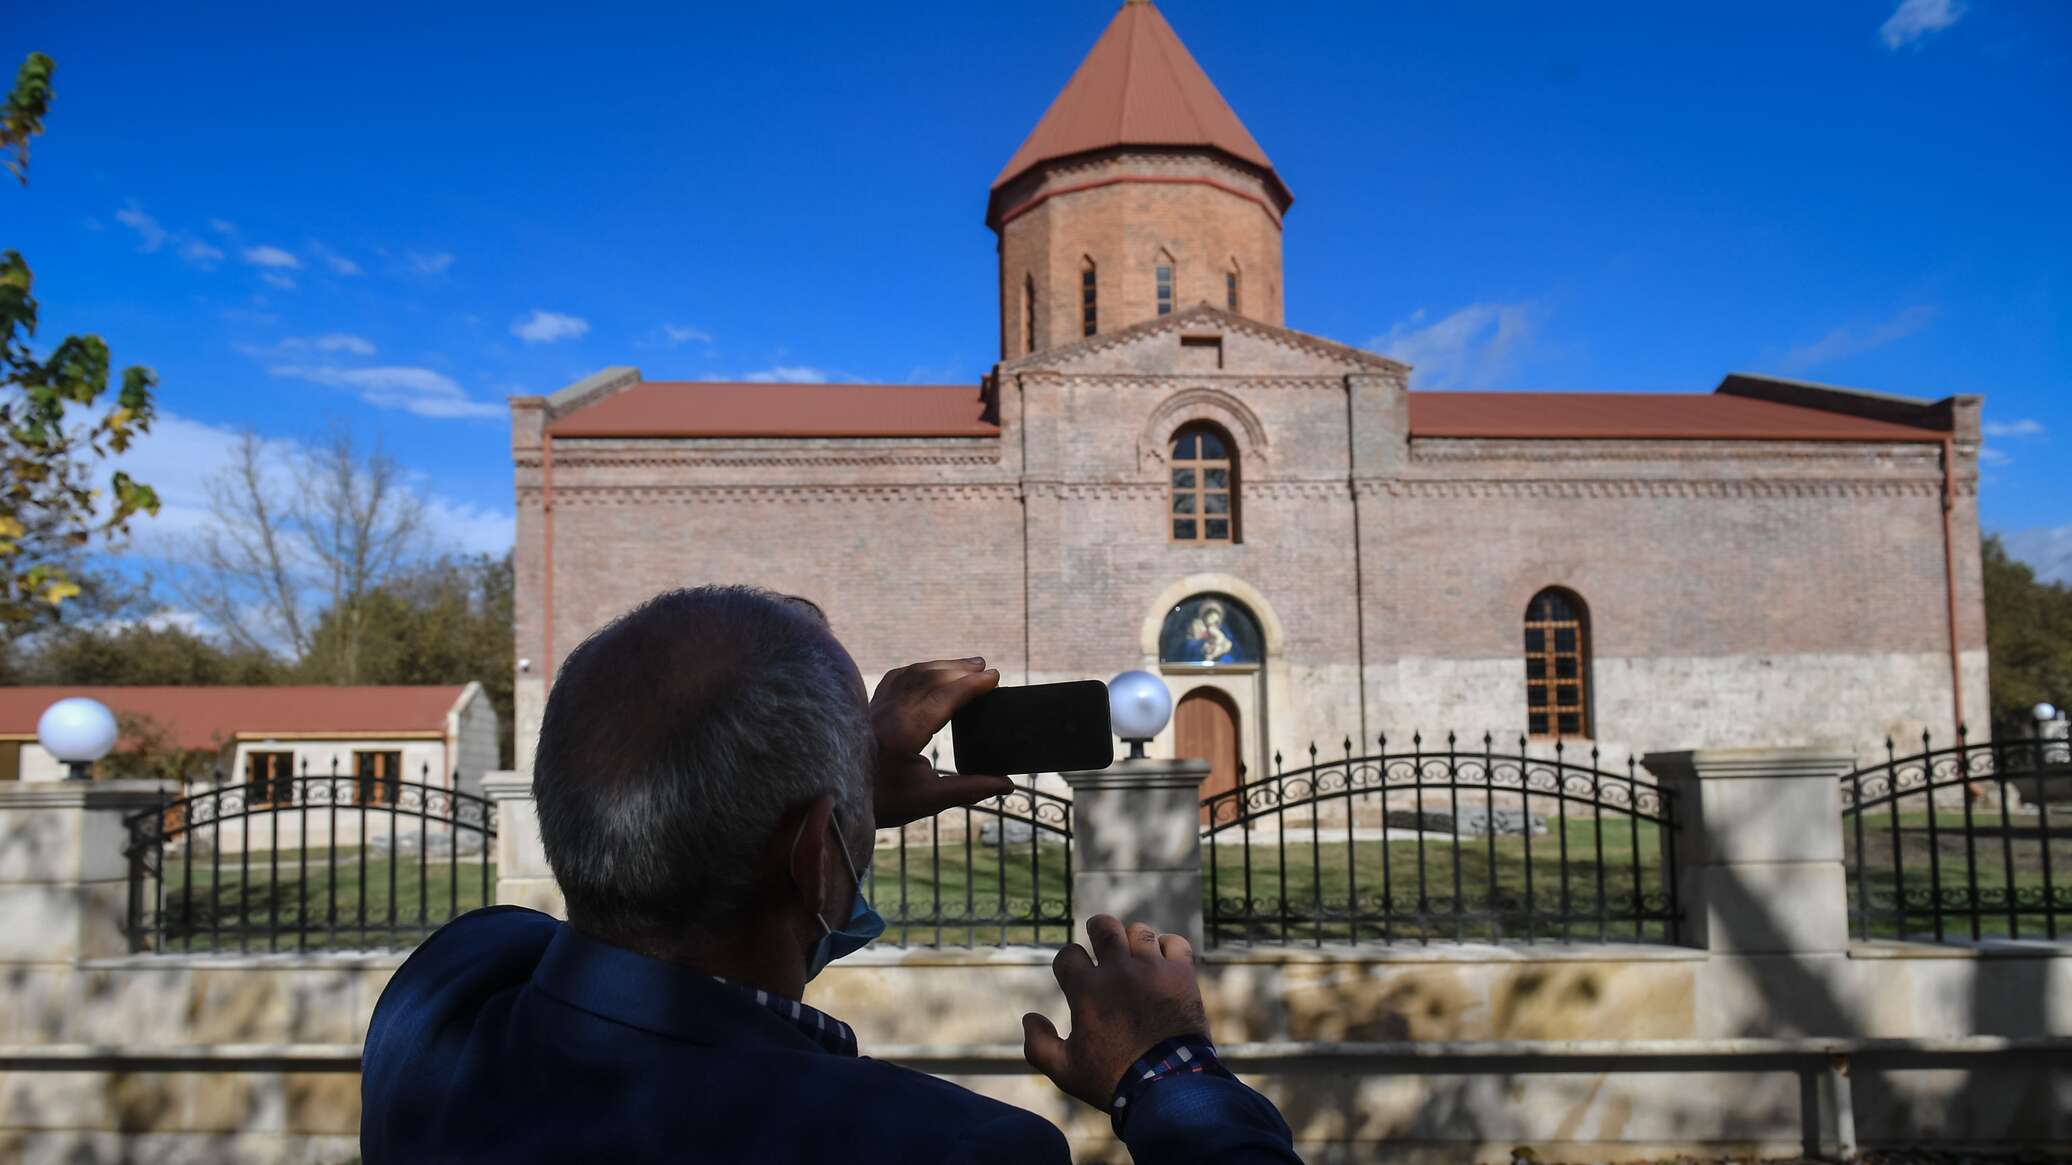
[{"x": 863, "y": 924}]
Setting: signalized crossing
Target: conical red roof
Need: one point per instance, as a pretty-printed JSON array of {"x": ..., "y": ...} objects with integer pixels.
[{"x": 1138, "y": 87}]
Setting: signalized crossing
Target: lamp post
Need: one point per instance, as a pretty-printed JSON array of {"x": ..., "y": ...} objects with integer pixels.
[
  {"x": 1139, "y": 705},
  {"x": 77, "y": 731}
]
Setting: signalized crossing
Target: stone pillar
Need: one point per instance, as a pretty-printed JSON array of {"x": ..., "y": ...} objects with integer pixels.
[
  {"x": 64, "y": 867},
  {"x": 523, "y": 877},
  {"x": 1136, "y": 844},
  {"x": 1759, "y": 852}
]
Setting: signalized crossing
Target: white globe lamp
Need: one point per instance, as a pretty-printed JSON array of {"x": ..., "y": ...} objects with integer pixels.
[
  {"x": 1139, "y": 704},
  {"x": 78, "y": 731},
  {"x": 2044, "y": 713}
]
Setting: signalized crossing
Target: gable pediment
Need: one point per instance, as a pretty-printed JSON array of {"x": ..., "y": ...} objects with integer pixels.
[{"x": 1205, "y": 339}]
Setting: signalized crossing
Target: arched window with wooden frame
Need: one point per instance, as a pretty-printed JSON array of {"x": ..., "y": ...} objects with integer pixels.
[
  {"x": 1089, "y": 297},
  {"x": 1204, "y": 501},
  {"x": 1028, "y": 313},
  {"x": 1163, "y": 276},
  {"x": 1557, "y": 664}
]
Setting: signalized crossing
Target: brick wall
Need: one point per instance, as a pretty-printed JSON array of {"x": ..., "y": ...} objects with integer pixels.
[
  {"x": 1737, "y": 591},
  {"x": 1123, "y": 210}
]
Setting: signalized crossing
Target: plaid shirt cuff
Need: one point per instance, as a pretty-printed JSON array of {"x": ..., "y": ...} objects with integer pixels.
[{"x": 1176, "y": 1056}]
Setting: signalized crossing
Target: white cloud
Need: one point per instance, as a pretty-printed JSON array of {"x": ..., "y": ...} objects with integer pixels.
[
  {"x": 1479, "y": 344},
  {"x": 419, "y": 391},
  {"x": 2047, "y": 548},
  {"x": 150, "y": 235},
  {"x": 339, "y": 264},
  {"x": 545, "y": 327},
  {"x": 1914, "y": 19},
  {"x": 268, "y": 256},
  {"x": 223, "y": 226},
  {"x": 428, "y": 262},
  {"x": 1853, "y": 340},
  {"x": 679, "y": 334},
  {"x": 788, "y": 374},
  {"x": 200, "y": 253},
  {"x": 343, "y": 342},
  {"x": 1988, "y": 455},
  {"x": 328, "y": 342},
  {"x": 2016, "y": 430},
  {"x": 179, "y": 455},
  {"x": 276, "y": 279}
]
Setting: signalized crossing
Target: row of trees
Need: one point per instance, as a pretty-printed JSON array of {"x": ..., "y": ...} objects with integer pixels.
[
  {"x": 2028, "y": 638},
  {"x": 445, "y": 620}
]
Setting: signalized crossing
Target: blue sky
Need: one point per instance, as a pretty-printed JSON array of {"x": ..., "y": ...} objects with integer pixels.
[{"x": 395, "y": 216}]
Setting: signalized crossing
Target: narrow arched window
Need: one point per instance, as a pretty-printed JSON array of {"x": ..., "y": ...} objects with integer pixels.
[
  {"x": 1164, "y": 275},
  {"x": 1230, "y": 282},
  {"x": 1557, "y": 665},
  {"x": 1089, "y": 308},
  {"x": 1028, "y": 313},
  {"x": 1204, "y": 485}
]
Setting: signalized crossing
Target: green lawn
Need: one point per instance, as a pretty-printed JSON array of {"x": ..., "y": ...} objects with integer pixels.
[
  {"x": 1905, "y": 872},
  {"x": 313, "y": 900},
  {"x": 1476, "y": 889},
  {"x": 937, "y": 897},
  {"x": 942, "y": 887}
]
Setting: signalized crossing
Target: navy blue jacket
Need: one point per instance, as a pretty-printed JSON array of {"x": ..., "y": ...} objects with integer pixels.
[{"x": 508, "y": 1037}]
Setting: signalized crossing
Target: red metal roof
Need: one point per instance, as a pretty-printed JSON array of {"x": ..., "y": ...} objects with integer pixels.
[
  {"x": 1641, "y": 416},
  {"x": 682, "y": 409},
  {"x": 203, "y": 718},
  {"x": 1138, "y": 87}
]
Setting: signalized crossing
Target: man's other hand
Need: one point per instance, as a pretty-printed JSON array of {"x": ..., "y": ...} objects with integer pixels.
[
  {"x": 1138, "y": 987},
  {"x": 911, "y": 705}
]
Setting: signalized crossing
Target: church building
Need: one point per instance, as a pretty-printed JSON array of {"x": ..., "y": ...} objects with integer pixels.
[{"x": 1159, "y": 472}]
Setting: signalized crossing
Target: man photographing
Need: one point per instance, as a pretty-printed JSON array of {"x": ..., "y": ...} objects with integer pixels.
[{"x": 710, "y": 778}]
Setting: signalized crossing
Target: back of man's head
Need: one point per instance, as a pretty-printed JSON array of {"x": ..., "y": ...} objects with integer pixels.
[{"x": 674, "y": 741}]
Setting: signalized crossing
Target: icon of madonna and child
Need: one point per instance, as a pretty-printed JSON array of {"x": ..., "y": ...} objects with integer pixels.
[{"x": 1207, "y": 632}]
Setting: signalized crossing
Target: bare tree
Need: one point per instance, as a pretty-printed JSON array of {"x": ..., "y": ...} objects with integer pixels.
[{"x": 283, "y": 547}]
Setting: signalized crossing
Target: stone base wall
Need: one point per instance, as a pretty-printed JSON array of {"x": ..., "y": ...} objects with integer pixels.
[{"x": 951, "y": 998}]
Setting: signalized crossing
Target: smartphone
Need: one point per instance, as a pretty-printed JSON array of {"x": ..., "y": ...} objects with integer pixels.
[{"x": 1042, "y": 728}]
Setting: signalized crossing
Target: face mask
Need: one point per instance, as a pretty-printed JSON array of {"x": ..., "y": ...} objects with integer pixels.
[{"x": 863, "y": 924}]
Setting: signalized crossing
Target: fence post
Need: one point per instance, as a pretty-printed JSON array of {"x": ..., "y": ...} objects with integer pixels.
[
  {"x": 1136, "y": 844},
  {"x": 1758, "y": 850},
  {"x": 64, "y": 867},
  {"x": 523, "y": 877}
]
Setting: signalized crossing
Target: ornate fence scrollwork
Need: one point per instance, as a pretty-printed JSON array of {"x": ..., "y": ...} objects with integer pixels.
[
  {"x": 307, "y": 862},
  {"x": 1449, "y": 844},
  {"x": 999, "y": 872},
  {"x": 1962, "y": 843}
]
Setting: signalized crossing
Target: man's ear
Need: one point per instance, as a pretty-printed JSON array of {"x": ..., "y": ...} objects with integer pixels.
[{"x": 811, "y": 860}]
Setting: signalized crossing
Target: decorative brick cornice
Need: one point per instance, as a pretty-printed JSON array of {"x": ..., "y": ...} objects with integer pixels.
[
  {"x": 656, "y": 460},
  {"x": 1758, "y": 487},
  {"x": 1201, "y": 315},
  {"x": 1490, "y": 449},
  {"x": 616, "y": 495},
  {"x": 1181, "y": 381},
  {"x": 1154, "y": 489}
]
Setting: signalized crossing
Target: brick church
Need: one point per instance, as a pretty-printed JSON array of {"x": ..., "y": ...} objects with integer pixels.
[{"x": 1160, "y": 473}]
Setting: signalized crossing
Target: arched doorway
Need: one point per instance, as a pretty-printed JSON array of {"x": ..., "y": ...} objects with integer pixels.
[{"x": 1205, "y": 727}]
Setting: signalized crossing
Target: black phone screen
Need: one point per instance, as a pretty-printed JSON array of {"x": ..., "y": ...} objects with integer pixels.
[{"x": 1042, "y": 728}]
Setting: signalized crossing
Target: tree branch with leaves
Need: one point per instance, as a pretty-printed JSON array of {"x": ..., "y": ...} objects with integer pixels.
[{"x": 54, "y": 506}]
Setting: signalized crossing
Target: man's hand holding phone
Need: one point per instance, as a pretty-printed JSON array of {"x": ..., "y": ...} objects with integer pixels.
[{"x": 911, "y": 705}]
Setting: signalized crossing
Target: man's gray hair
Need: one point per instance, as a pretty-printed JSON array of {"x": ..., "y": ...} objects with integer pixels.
[{"x": 675, "y": 740}]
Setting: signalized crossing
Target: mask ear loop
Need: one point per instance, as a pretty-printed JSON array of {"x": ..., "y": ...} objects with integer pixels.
[{"x": 795, "y": 839}]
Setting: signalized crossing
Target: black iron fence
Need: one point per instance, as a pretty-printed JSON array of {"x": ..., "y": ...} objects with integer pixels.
[
  {"x": 301, "y": 862},
  {"x": 1963, "y": 843},
  {"x": 1454, "y": 844},
  {"x": 995, "y": 874}
]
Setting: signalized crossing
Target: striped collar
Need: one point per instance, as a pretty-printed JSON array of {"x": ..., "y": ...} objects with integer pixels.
[{"x": 816, "y": 1025}]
